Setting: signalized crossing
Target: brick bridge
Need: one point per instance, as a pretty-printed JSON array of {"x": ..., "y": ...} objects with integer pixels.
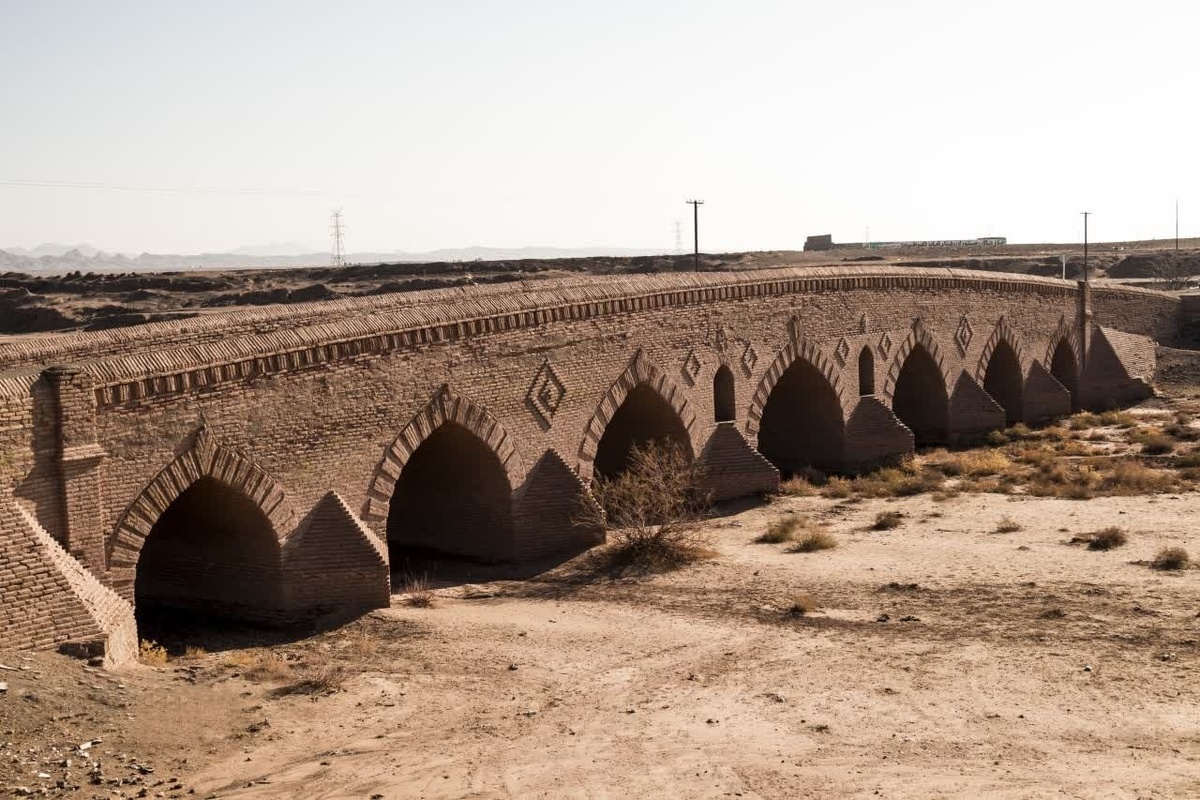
[{"x": 262, "y": 462}]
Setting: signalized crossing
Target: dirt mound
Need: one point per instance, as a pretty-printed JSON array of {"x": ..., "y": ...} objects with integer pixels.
[{"x": 1164, "y": 265}]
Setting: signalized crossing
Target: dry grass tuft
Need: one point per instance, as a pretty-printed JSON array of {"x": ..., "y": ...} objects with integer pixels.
[
  {"x": 317, "y": 680},
  {"x": 1171, "y": 558},
  {"x": 797, "y": 486},
  {"x": 802, "y": 604},
  {"x": 812, "y": 541},
  {"x": 886, "y": 520},
  {"x": 259, "y": 665},
  {"x": 1154, "y": 442},
  {"x": 152, "y": 654},
  {"x": 1007, "y": 525},
  {"x": 974, "y": 463},
  {"x": 782, "y": 529},
  {"x": 1131, "y": 477},
  {"x": 1107, "y": 538}
]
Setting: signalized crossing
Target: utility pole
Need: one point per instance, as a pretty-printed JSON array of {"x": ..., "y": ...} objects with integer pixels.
[
  {"x": 1086, "y": 214},
  {"x": 695, "y": 204},
  {"x": 337, "y": 232}
]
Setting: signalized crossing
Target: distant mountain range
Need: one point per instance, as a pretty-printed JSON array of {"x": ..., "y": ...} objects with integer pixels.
[{"x": 85, "y": 258}]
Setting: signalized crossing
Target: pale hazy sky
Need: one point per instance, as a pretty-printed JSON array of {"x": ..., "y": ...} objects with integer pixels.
[{"x": 445, "y": 123}]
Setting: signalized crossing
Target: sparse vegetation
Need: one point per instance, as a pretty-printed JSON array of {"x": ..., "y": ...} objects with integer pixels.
[
  {"x": 812, "y": 541},
  {"x": 1007, "y": 525},
  {"x": 152, "y": 654},
  {"x": 782, "y": 529},
  {"x": 653, "y": 512},
  {"x": 1154, "y": 441},
  {"x": 418, "y": 591},
  {"x": 797, "y": 486},
  {"x": 1107, "y": 538},
  {"x": 886, "y": 520},
  {"x": 1171, "y": 558}
]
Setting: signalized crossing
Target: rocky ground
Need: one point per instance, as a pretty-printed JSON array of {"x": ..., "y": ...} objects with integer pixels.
[{"x": 966, "y": 636}]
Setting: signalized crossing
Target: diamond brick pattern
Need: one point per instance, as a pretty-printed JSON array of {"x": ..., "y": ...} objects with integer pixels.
[
  {"x": 842, "y": 351},
  {"x": 546, "y": 393},
  {"x": 691, "y": 366},
  {"x": 749, "y": 358},
  {"x": 962, "y": 336},
  {"x": 885, "y": 345}
]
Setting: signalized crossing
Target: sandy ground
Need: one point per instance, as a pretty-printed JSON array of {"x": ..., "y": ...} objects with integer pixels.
[{"x": 1017, "y": 666}]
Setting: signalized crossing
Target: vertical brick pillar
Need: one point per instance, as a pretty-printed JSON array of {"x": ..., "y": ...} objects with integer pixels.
[{"x": 79, "y": 457}]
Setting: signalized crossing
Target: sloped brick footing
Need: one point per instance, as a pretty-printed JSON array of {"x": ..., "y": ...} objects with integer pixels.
[
  {"x": 731, "y": 467},
  {"x": 1045, "y": 397},
  {"x": 548, "y": 509},
  {"x": 333, "y": 563},
  {"x": 47, "y": 598},
  {"x": 972, "y": 410},
  {"x": 1119, "y": 369},
  {"x": 874, "y": 435}
]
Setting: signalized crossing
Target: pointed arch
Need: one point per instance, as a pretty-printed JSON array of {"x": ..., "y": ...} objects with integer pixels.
[
  {"x": 641, "y": 372},
  {"x": 918, "y": 336},
  {"x": 724, "y": 395},
  {"x": 203, "y": 460},
  {"x": 1068, "y": 333},
  {"x": 1003, "y": 332},
  {"x": 798, "y": 350},
  {"x": 446, "y": 406}
]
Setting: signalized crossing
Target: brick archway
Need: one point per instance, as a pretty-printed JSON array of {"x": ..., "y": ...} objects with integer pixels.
[
  {"x": 797, "y": 350},
  {"x": 640, "y": 372},
  {"x": 919, "y": 335},
  {"x": 446, "y": 406},
  {"x": 203, "y": 459},
  {"x": 1070, "y": 334},
  {"x": 1003, "y": 332}
]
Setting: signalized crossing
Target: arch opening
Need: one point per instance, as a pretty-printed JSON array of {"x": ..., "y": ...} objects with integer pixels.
[
  {"x": 212, "y": 556},
  {"x": 1065, "y": 369},
  {"x": 643, "y": 417},
  {"x": 802, "y": 423},
  {"x": 919, "y": 399},
  {"x": 724, "y": 402},
  {"x": 1005, "y": 383},
  {"x": 866, "y": 372},
  {"x": 452, "y": 499}
]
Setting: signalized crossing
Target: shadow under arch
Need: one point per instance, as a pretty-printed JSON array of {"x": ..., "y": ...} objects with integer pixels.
[
  {"x": 643, "y": 404},
  {"x": 1004, "y": 381},
  {"x": 802, "y": 422},
  {"x": 444, "y": 485}
]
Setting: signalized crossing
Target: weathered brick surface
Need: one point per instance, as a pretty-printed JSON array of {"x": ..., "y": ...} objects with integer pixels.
[
  {"x": 730, "y": 467},
  {"x": 284, "y": 405}
]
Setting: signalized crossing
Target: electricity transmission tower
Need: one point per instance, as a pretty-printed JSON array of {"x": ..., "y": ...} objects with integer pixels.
[{"x": 337, "y": 232}]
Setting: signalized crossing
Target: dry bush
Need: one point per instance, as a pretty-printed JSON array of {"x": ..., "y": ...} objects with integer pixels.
[
  {"x": 782, "y": 529},
  {"x": 813, "y": 475},
  {"x": 812, "y": 541},
  {"x": 260, "y": 665},
  {"x": 886, "y": 520},
  {"x": 316, "y": 680},
  {"x": 996, "y": 438},
  {"x": 1189, "y": 460},
  {"x": 1107, "y": 538},
  {"x": 1020, "y": 431},
  {"x": 802, "y": 604},
  {"x": 152, "y": 654},
  {"x": 1154, "y": 442},
  {"x": 1171, "y": 558},
  {"x": 194, "y": 652},
  {"x": 837, "y": 488},
  {"x": 418, "y": 592},
  {"x": 1083, "y": 421},
  {"x": 1130, "y": 477},
  {"x": 797, "y": 486},
  {"x": 652, "y": 510},
  {"x": 975, "y": 463},
  {"x": 1182, "y": 431},
  {"x": 1118, "y": 419},
  {"x": 903, "y": 481},
  {"x": 1007, "y": 525}
]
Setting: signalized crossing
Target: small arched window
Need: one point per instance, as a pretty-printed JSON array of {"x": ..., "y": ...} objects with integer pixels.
[
  {"x": 724, "y": 403},
  {"x": 866, "y": 372}
]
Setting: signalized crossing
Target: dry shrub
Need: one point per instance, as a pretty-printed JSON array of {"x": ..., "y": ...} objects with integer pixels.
[
  {"x": 782, "y": 529},
  {"x": 152, "y": 654},
  {"x": 1035, "y": 455},
  {"x": 797, "y": 486},
  {"x": 1007, "y": 525},
  {"x": 418, "y": 592},
  {"x": 260, "y": 665},
  {"x": 317, "y": 680},
  {"x": 1171, "y": 558},
  {"x": 1182, "y": 431},
  {"x": 802, "y": 604},
  {"x": 1189, "y": 460},
  {"x": 975, "y": 463},
  {"x": 837, "y": 488},
  {"x": 904, "y": 481},
  {"x": 1118, "y": 419},
  {"x": 1020, "y": 431},
  {"x": 1154, "y": 442},
  {"x": 1107, "y": 538},
  {"x": 1081, "y": 422},
  {"x": 194, "y": 652},
  {"x": 996, "y": 438},
  {"x": 652, "y": 510},
  {"x": 1130, "y": 477},
  {"x": 886, "y": 520},
  {"x": 812, "y": 541}
]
